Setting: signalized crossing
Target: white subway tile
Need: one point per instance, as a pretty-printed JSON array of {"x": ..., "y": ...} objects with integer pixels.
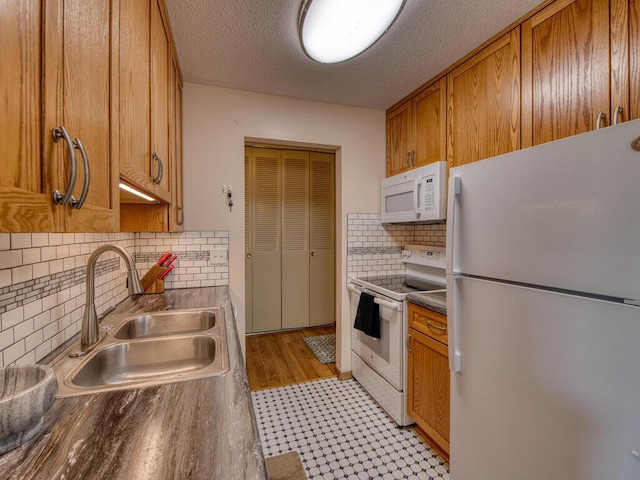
[
  {"x": 55, "y": 239},
  {"x": 5, "y": 277},
  {"x": 20, "y": 240},
  {"x": 10, "y": 258},
  {"x": 13, "y": 353},
  {"x": 43, "y": 350},
  {"x": 5, "y": 241},
  {"x": 12, "y": 317},
  {"x": 32, "y": 309},
  {"x": 6, "y": 338},
  {"x": 23, "y": 329},
  {"x": 27, "y": 359},
  {"x": 42, "y": 320}
]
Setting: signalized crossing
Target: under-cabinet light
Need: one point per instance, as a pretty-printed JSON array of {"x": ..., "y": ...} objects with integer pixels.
[
  {"x": 332, "y": 31},
  {"x": 129, "y": 189}
]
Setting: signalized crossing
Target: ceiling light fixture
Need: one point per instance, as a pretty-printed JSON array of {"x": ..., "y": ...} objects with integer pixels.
[{"x": 332, "y": 31}]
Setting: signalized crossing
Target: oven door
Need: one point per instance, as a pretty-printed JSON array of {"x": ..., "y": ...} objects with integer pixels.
[{"x": 384, "y": 355}]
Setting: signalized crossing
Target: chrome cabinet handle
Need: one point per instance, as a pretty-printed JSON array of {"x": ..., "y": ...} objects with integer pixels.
[
  {"x": 408, "y": 159},
  {"x": 616, "y": 114},
  {"x": 413, "y": 158},
  {"x": 64, "y": 198},
  {"x": 87, "y": 176},
  {"x": 158, "y": 178},
  {"x": 599, "y": 119},
  {"x": 437, "y": 327},
  {"x": 180, "y": 215}
]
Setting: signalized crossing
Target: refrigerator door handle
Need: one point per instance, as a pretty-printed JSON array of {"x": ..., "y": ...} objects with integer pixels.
[
  {"x": 455, "y": 188},
  {"x": 455, "y": 323}
]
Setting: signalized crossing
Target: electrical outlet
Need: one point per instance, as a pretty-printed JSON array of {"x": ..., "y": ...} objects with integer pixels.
[{"x": 218, "y": 256}]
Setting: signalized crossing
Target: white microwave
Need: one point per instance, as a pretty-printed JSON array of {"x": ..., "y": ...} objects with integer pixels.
[{"x": 418, "y": 195}]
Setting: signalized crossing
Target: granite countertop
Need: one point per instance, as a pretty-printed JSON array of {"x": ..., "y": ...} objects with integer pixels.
[{"x": 197, "y": 429}]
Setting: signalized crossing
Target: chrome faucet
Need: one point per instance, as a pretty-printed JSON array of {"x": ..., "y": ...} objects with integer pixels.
[{"x": 90, "y": 334}]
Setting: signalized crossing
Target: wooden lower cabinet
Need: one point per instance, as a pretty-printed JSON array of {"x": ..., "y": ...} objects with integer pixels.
[{"x": 429, "y": 388}]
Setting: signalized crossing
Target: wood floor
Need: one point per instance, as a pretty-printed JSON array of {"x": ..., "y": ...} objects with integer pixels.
[{"x": 282, "y": 358}]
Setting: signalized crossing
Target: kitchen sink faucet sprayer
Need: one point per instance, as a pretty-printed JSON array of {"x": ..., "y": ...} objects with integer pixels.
[{"x": 90, "y": 329}]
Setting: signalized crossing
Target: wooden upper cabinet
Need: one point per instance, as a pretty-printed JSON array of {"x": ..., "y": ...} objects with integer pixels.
[
  {"x": 565, "y": 70},
  {"x": 57, "y": 75},
  {"x": 399, "y": 138},
  {"x": 25, "y": 201},
  {"x": 430, "y": 135},
  {"x": 134, "y": 96},
  {"x": 483, "y": 110},
  {"x": 144, "y": 97},
  {"x": 77, "y": 95},
  {"x": 160, "y": 95}
]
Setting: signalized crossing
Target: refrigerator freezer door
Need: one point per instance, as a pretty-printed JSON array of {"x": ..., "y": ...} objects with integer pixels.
[
  {"x": 564, "y": 215},
  {"x": 549, "y": 386}
]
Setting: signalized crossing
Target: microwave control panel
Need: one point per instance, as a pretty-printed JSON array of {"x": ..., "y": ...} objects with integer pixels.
[{"x": 429, "y": 194}]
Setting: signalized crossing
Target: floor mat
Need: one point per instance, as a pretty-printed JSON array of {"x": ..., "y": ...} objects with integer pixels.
[
  {"x": 340, "y": 432},
  {"x": 286, "y": 466},
  {"x": 323, "y": 347}
]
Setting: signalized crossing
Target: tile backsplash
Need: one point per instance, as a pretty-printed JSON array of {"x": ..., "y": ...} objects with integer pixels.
[
  {"x": 376, "y": 249},
  {"x": 42, "y": 280}
]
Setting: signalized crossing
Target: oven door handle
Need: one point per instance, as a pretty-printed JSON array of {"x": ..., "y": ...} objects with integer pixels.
[{"x": 393, "y": 305}]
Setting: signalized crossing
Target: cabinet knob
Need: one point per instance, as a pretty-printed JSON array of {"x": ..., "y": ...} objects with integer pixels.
[{"x": 248, "y": 255}]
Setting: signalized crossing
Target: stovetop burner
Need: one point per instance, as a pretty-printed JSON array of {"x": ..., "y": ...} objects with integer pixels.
[{"x": 402, "y": 283}]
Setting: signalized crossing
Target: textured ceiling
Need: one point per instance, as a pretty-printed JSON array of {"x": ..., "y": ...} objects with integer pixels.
[{"x": 253, "y": 45}]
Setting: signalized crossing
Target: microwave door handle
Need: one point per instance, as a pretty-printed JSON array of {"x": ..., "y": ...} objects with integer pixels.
[{"x": 419, "y": 209}]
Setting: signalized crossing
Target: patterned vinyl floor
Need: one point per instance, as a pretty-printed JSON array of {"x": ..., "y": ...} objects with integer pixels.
[{"x": 340, "y": 432}]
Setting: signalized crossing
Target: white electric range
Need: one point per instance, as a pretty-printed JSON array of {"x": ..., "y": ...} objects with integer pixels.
[{"x": 380, "y": 365}]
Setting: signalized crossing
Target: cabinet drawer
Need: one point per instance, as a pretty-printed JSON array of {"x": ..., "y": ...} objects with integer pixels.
[{"x": 428, "y": 322}]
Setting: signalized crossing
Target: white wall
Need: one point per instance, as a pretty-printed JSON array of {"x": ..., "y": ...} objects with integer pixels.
[{"x": 216, "y": 122}]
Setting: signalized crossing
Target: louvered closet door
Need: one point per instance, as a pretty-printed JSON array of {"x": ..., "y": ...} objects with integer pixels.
[
  {"x": 295, "y": 239},
  {"x": 322, "y": 230},
  {"x": 267, "y": 240},
  {"x": 248, "y": 239}
]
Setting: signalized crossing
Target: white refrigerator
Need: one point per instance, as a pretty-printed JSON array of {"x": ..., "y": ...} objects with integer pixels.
[{"x": 544, "y": 345}]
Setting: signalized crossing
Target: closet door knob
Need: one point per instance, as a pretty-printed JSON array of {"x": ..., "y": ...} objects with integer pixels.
[{"x": 248, "y": 255}]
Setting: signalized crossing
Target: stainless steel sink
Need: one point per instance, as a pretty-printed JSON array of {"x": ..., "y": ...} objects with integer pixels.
[
  {"x": 134, "y": 362},
  {"x": 148, "y": 349},
  {"x": 166, "y": 323}
]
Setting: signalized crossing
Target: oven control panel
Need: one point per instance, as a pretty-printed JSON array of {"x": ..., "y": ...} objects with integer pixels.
[{"x": 425, "y": 255}]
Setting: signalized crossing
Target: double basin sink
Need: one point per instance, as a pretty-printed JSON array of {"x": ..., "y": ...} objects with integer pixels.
[{"x": 140, "y": 350}]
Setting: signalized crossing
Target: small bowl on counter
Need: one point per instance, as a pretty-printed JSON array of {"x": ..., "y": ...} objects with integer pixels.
[{"x": 26, "y": 393}]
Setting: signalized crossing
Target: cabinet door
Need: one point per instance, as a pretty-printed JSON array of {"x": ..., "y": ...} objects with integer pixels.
[
  {"x": 484, "y": 103},
  {"x": 134, "y": 96},
  {"x": 25, "y": 203},
  {"x": 565, "y": 70},
  {"x": 399, "y": 139},
  {"x": 430, "y": 136},
  {"x": 160, "y": 82},
  {"x": 429, "y": 387},
  {"x": 77, "y": 94},
  {"x": 176, "y": 210}
]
